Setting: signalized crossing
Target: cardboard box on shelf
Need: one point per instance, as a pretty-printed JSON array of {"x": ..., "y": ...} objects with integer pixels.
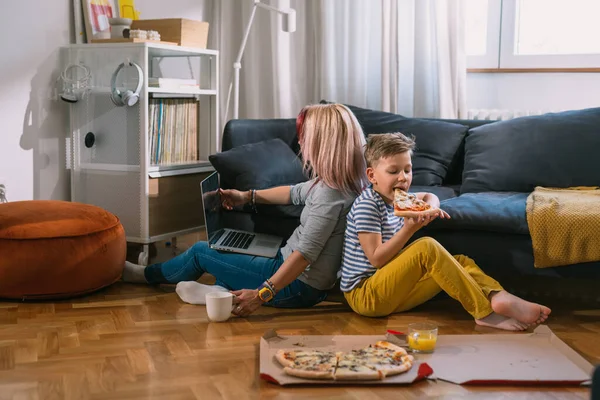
[
  {"x": 132, "y": 40},
  {"x": 537, "y": 357},
  {"x": 184, "y": 32}
]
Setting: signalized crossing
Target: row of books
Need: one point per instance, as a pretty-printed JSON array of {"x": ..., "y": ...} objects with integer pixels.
[{"x": 173, "y": 130}]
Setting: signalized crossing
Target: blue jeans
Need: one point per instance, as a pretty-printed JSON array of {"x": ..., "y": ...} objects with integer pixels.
[{"x": 234, "y": 272}]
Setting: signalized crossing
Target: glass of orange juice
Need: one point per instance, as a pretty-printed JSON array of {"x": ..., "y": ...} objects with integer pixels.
[{"x": 422, "y": 337}]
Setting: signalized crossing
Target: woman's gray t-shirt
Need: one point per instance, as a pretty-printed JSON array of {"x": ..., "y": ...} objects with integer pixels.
[{"x": 320, "y": 236}]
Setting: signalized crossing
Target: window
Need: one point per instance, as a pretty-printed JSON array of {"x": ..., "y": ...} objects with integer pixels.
[
  {"x": 483, "y": 32},
  {"x": 477, "y": 15},
  {"x": 533, "y": 33},
  {"x": 557, "y": 27}
]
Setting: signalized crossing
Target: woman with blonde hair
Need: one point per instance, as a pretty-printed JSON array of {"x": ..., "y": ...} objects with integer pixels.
[{"x": 331, "y": 144}]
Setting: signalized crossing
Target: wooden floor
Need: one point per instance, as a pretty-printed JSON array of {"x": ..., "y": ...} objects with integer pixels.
[{"x": 140, "y": 342}]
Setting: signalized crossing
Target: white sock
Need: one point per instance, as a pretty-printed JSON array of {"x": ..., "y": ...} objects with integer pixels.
[
  {"x": 134, "y": 273},
  {"x": 195, "y": 293}
]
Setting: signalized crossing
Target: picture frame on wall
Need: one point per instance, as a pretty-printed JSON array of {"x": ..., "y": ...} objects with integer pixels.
[{"x": 96, "y": 15}]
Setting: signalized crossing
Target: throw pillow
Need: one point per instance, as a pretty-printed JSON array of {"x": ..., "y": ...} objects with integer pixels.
[
  {"x": 258, "y": 165},
  {"x": 238, "y": 132},
  {"x": 556, "y": 149},
  {"x": 437, "y": 142},
  {"x": 368, "y": 117}
]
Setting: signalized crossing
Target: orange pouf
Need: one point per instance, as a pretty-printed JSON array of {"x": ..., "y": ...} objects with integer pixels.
[{"x": 58, "y": 249}]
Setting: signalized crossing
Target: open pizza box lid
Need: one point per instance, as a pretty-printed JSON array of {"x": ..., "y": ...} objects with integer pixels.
[{"x": 539, "y": 357}]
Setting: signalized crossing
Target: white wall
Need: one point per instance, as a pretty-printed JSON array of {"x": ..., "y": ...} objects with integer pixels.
[
  {"x": 32, "y": 133},
  {"x": 533, "y": 91},
  {"x": 198, "y": 10},
  {"x": 33, "y": 122}
]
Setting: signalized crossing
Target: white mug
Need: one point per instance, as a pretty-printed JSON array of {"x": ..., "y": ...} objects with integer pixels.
[{"x": 219, "y": 306}]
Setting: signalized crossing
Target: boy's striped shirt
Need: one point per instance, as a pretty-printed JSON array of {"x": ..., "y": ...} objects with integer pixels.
[{"x": 369, "y": 213}]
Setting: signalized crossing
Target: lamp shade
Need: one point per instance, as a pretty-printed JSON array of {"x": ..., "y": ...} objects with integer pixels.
[{"x": 289, "y": 21}]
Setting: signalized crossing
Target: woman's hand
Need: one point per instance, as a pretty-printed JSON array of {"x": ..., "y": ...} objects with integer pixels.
[
  {"x": 231, "y": 198},
  {"x": 247, "y": 301}
]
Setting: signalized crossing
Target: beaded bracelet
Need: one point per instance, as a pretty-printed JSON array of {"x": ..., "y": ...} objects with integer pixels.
[
  {"x": 271, "y": 285},
  {"x": 253, "y": 200}
]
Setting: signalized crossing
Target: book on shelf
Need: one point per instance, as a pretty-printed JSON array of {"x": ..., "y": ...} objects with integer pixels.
[{"x": 173, "y": 125}]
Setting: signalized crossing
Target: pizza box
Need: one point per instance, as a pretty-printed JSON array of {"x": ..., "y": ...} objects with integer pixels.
[
  {"x": 538, "y": 357},
  {"x": 272, "y": 371},
  {"x": 535, "y": 358}
]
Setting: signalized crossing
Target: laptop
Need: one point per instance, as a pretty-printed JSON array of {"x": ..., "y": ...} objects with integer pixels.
[{"x": 233, "y": 240}]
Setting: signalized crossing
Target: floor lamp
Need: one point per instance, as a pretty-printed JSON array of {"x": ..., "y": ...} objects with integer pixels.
[{"x": 288, "y": 25}]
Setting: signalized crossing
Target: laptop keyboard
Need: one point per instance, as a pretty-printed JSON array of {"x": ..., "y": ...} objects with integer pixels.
[{"x": 237, "y": 240}]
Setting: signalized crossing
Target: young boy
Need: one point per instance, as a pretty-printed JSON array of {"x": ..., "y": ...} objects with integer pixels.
[{"x": 381, "y": 276}]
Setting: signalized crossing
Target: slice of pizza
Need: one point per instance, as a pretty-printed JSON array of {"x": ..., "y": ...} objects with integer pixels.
[
  {"x": 354, "y": 366},
  {"x": 373, "y": 362},
  {"x": 384, "y": 357},
  {"x": 310, "y": 364},
  {"x": 408, "y": 205},
  {"x": 390, "y": 359},
  {"x": 390, "y": 347}
]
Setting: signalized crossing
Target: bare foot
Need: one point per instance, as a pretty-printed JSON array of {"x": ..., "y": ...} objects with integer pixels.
[
  {"x": 501, "y": 322},
  {"x": 515, "y": 307}
]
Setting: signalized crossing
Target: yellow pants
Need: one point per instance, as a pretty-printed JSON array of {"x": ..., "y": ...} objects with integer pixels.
[{"x": 419, "y": 272}]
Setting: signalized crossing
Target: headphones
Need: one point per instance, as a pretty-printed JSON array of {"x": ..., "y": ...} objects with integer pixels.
[
  {"x": 73, "y": 87},
  {"x": 128, "y": 97}
]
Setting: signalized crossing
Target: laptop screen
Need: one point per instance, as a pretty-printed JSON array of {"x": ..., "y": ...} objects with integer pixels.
[{"x": 212, "y": 206}]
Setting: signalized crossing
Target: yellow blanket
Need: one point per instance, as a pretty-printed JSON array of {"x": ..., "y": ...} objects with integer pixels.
[{"x": 564, "y": 225}]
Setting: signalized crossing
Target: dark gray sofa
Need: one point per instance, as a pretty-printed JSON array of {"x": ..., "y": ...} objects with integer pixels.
[{"x": 482, "y": 171}]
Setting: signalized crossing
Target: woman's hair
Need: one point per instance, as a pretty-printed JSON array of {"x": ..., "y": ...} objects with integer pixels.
[
  {"x": 386, "y": 145},
  {"x": 332, "y": 144}
]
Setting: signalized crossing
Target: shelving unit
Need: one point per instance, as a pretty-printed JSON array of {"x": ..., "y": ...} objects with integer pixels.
[{"x": 154, "y": 201}]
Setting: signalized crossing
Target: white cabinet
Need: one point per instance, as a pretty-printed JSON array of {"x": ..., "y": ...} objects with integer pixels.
[{"x": 144, "y": 163}]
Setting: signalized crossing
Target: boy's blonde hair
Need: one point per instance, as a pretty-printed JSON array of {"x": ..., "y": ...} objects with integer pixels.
[
  {"x": 386, "y": 145},
  {"x": 332, "y": 142}
]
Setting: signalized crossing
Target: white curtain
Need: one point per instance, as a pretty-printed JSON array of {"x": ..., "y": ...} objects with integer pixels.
[
  {"x": 431, "y": 59},
  {"x": 402, "y": 56}
]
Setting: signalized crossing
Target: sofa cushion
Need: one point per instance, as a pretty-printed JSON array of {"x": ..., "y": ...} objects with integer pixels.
[
  {"x": 490, "y": 211},
  {"x": 437, "y": 142},
  {"x": 238, "y": 132},
  {"x": 278, "y": 210},
  {"x": 259, "y": 165},
  {"x": 365, "y": 115},
  {"x": 555, "y": 150},
  {"x": 504, "y": 255}
]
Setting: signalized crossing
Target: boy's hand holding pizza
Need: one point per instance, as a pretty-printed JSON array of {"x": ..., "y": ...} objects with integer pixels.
[{"x": 417, "y": 213}]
